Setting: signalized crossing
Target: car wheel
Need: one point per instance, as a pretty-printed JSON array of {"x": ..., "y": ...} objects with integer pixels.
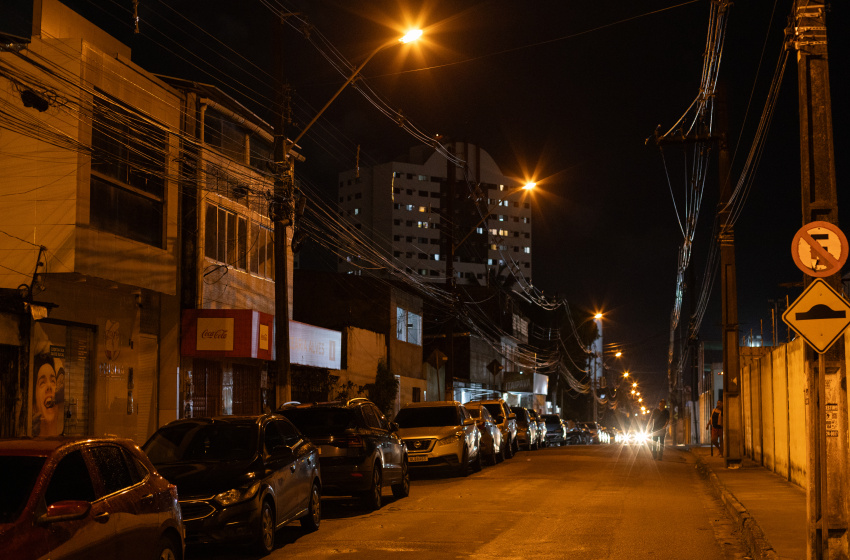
[
  {"x": 311, "y": 521},
  {"x": 372, "y": 498},
  {"x": 479, "y": 462},
  {"x": 402, "y": 489},
  {"x": 167, "y": 550},
  {"x": 265, "y": 539},
  {"x": 494, "y": 458},
  {"x": 516, "y": 446},
  {"x": 463, "y": 465},
  {"x": 509, "y": 450}
]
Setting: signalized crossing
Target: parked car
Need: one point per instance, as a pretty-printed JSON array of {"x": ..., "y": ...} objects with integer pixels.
[
  {"x": 541, "y": 427},
  {"x": 491, "y": 437},
  {"x": 526, "y": 428},
  {"x": 592, "y": 430},
  {"x": 240, "y": 477},
  {"x": 85, "y": 498},
  {"x": 576, "y": 435},
  {"x": 556, "y": 429},
  {"x": 506, "y": 420},
  {"x": 440, "y": 434},
  {"x": 359, "y": 450}
]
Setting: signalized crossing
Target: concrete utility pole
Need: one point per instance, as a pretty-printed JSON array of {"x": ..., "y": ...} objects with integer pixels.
[
  {"x": 826, "y": 392},
  {"x": 733, "y": 441},
  {"x": 447, "y": 228},
  {"x": 281, "y": 215}
]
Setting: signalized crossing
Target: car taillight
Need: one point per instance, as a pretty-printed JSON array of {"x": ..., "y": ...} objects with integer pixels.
[{"x": 354, "y": 441}]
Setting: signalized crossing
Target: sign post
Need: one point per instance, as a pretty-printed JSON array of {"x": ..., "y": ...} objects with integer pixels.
[{"x": 820, "y": 316}]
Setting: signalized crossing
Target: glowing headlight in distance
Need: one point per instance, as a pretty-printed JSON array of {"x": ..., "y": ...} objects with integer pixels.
[{"x": 237, "y": 495}]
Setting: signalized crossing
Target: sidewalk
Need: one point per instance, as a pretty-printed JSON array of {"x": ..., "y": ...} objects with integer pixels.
[{"x": 769, "y": 510}]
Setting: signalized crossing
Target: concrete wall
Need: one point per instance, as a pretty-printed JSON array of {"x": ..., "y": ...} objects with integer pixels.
[{"x": 773, "y": 400}]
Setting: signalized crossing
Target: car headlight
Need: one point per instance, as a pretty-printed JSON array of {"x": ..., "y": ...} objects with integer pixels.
[
  {"x": 237, "y": 495},
  {"x": 451, "y": 440}
]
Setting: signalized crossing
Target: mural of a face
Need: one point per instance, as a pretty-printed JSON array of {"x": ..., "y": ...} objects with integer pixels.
[{"x": 49, "y": 379}]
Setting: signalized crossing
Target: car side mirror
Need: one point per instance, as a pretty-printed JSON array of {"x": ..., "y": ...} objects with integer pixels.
[
  {"x": 66, "y": 510},
  {"x": 511, "y": 416},
  {"x": 468, "y": 421}
]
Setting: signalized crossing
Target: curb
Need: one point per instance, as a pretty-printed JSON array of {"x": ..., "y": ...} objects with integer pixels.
[{"x": 751, "y": 534}]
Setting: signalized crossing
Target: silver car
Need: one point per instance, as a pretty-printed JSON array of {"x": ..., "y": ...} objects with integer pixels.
[
  {"x": 440, "y": 434},
  {"x": 491, "y": 436}
]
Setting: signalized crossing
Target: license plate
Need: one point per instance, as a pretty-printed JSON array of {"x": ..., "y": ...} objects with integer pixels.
[{"x": 417, "y": 459}]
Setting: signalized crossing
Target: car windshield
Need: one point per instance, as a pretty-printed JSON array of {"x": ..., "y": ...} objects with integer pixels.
[
  {"x": 474, "y": 412},
  {"x": 552, "y": 419},
  {"x": 427, "y": 417},
  {"x": 203, "y": 441},
  {"x": 320, "y": 420},
  {"x": 23, "y": 471},
  {"x": 495, "y": 411}
]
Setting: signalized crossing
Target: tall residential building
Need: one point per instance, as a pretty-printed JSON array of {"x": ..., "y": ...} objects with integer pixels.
[{"x": 419, "y": 208}]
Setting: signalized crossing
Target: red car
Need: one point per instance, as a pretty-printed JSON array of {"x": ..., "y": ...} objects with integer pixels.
[{"x": 63, "y": 498}]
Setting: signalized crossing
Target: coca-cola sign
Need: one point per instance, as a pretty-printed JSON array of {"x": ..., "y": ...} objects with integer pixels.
[{"x": 215, "y": 334}]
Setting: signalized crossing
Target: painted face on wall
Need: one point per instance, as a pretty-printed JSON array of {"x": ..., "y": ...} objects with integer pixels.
[
  {"x": 45, "y": 393},
  {"x": 48, "y": 405}
]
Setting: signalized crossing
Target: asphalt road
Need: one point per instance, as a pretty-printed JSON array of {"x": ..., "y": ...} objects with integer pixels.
[{"x": 577, "y": 502}]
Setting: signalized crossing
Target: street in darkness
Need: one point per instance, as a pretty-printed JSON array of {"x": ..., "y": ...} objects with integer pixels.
[{"x": 576, "y": 502}]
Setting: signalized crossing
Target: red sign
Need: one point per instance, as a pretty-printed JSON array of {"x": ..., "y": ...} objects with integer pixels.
[
  {"x": 230, "y": 333},
  {"x": 819, "y": 249}
]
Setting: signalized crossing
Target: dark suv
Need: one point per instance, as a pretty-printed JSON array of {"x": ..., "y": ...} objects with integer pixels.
[
  {"x": 240, "y": 478},
  {"x": 359, "y": 450}
]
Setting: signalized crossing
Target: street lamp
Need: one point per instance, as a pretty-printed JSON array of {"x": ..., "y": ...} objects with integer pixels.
[
  {"x": 451, "y": 247},
  {"x": 409, "y": 37},
  {"x": 282, "y": 209},
  {"x": 526, "y": 187}
]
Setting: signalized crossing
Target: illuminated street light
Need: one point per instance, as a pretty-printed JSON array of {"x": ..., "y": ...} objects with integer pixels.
[
  {"x": 408, "y": 38},
  {"x": 526, "y": 187},
  {"x": 634, "y": 384},
  {"x": 282, "y": 218},
  {"x": 625, "y": 374}
]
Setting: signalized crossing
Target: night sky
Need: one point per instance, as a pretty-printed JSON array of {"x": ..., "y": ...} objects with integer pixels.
[{"x": 559, "y": 91}]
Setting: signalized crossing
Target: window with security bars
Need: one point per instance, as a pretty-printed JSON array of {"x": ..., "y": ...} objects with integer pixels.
[{"x": 128, "y": 167}]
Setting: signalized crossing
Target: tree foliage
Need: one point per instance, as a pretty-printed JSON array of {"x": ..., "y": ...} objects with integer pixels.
[{"x": 384, "y": 390}]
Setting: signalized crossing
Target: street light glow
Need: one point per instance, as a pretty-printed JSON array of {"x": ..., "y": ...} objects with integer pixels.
[
  {"x": 411, "y": 36},
  {"x": 597, "y": 316},
  {"x": 529, "y": 185},
  {"x": 625, "y": 374}
]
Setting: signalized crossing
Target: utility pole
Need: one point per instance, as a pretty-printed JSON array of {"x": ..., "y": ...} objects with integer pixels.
[
  {"x": 447, "y": 227},
  {"x": 826, "y": 391},
  {"x": 733, "y": 440},
  {"x": 281, "y": 215}
]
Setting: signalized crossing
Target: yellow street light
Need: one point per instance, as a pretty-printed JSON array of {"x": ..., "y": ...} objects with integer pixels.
[
  {"x": 625, "y": 374},
  {"x": 409, "y": 37},
  {"x": 640, "y": 399},
  {"x": 597, "y": 316},
  {"x": 633, "y": 391},
  {"x": 634, "y": 384},
  {"x": 526, "y": 187}
]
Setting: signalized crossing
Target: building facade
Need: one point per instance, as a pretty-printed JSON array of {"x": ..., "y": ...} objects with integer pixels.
[
  {"x": 403, "y": 207},
  {"x": 90, "y": 205}
]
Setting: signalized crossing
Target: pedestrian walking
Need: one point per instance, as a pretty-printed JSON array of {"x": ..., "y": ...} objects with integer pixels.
[
  {"x": 658, "y": 421},
  {"x": 716, "y": 425}
]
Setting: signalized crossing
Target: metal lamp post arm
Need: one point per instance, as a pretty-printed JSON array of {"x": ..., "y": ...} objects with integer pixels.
[{"x": 332, "y": 99}]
